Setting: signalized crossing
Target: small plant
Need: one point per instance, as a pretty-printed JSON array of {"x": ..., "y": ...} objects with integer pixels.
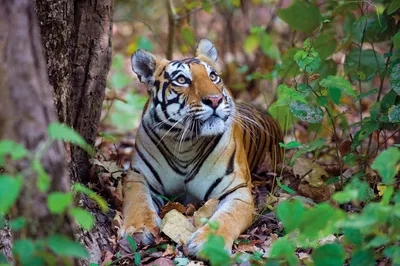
[{"x": 46, "y": 250}]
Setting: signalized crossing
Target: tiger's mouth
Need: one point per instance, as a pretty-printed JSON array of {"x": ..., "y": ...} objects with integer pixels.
[{"x": 213, "y": 125}]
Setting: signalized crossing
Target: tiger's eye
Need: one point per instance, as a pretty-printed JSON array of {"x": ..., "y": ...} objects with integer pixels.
[
  {"x": 213, "y": 76},
  {"x": 181, "y": 80}
]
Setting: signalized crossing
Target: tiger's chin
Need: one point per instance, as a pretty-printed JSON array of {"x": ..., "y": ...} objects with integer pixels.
[{"x": 213, "y": 126}]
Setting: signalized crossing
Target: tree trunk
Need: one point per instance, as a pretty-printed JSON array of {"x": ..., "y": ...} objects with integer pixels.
[
  {"x": 76, "y": 36},
  {"x": 77, "y": 43},
  {"x": 26, "y": 109}
]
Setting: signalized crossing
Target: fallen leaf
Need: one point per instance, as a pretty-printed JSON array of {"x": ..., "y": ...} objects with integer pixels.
[
  {"x": 190, "y": 209},
  {"x": 312, "y": 183},
  {"x": 381, "y": 188},
  {"x": 177, "y": 227},
  {"x": 345, "y": 147},
  {"x": 169, "y": 251},
  {"x": 246, "y": 248},
  {"x": 206, "y": 211},
  {"x": 327, "y": 240},
  {"x": 110, "y": 166},
  {"x": 172, "y": 206},
  {"x": 310, "y": 172},
  {"x": 117, "y": 220},
  {"x": 107, "y": 258}
]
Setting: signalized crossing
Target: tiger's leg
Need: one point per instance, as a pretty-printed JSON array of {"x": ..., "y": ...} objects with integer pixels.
[
  {"x": 234, "y": 214},
  {"x": 139, "y": 210}
]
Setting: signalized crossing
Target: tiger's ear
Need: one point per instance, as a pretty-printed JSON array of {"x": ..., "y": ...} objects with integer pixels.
[
  {"x": 207, "y": 49},
  {"x": 144, "y": 65}
]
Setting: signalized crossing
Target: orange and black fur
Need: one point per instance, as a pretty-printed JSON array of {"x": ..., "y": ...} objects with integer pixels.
[{"x": 195, "y": 141}]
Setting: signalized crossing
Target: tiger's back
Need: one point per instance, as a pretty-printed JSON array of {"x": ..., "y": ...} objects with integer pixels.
[{"x": 261, "y": 135}]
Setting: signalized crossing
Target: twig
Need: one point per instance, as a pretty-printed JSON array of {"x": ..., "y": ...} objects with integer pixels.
[{"x": 171, "y": 29}]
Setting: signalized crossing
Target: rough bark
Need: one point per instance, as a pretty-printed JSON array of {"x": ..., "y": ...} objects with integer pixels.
[
  {"x": 77, "y": 40},
  {"x": 76, "y": 36},
  {"x": 26, "y": 109}
]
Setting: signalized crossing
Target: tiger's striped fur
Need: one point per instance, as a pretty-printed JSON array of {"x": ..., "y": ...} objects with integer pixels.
[{"x": 196, "y": 142}]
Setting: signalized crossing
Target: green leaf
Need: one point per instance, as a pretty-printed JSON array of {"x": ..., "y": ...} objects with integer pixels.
[
  {"x": 306, "y": 112},
  {"x": 386, "y": 163},
  {"x": 286, "y": 95},
  {"x": 213, "y": 250},
  {"x": 370, "y": 63},
  {"x": 290, "y": 145},
  {"x": 43, "y": 179},
  {"x": 24, "y": 250},
  {"x": 322, "y": 101},
  {"x": 188, "y": 35},
  {"x": 308, "y": 60},
  {"x": 325, "y": 45},
  {"x": 284, "y": 248},
  {"x": 83, "y": 218},
  {"x": 92, "y": 195},
  {"x": 394, "y": 114},
  {"x": 289, "y": 67},
  {"x": 137, "y": 258},
  {"x": 396, "y": 40},
  {"x": 335, "y": 95},
  {"x": 362, "y": 257},
  {"x": 345, "y": 196},
  {"x": 63, "y": 246},
  {"x": 251, "y": 44},
  {"x": 329, "y": 255},
  {"x": 366, "y": 94},
  {"x": 333, "y": 82},
  {"x": 283, "y": 115},
  {"x": 353, "y": 236},
  {"x": 301, "y": 16},
  {"x": 17, "y": 223},
  {"x": 15, "y": 150},
  {"x": 10, "y": 187},
  {"x": 395, "y": 78},
  {"x": 59, "y": 131},
  {"x": 378, "y": 241},
  {"x": 393, "y": 7},
  {"x": 58, "y": 202},
  {"x": 393, "y": 253},
  {"x": 318, "y": 221},
  {"x": 132, "y": 243},
  {"x": 311, "y": 146},
  {"x": 287, "y": 210}
]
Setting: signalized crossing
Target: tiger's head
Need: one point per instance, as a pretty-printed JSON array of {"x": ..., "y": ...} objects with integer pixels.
[{"x": 186, "y": 95}]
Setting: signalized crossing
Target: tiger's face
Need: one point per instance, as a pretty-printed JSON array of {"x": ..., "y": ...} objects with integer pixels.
[{"x": 187, "y": 96}]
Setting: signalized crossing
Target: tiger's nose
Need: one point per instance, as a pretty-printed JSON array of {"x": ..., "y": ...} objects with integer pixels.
[{"x": 212, "y": 100}]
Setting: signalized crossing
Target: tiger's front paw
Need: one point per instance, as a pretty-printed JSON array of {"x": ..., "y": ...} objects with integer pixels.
[
  {"x": 143, "y": 233},
  {"x": 199, "y": 238}
]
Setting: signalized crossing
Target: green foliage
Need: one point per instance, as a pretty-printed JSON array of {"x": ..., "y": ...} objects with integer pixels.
[
  {"x": 13, "y": 183},
  {"x": 341, "y": 58},
  {"x": 83, "y": 218},
  {"x": 63, "y": 132},
  {"x": 301, "y": 16},
  {"x": 329, "y": 255},
  {"x": 58, "y": 202},
  {"x": 387, "y": 165},
  {"x": 92, "y": 195},
  {"x": 63, "y": 246},
  {"x": 10, "y": 188},
  {"x": 213, "y": 250}
]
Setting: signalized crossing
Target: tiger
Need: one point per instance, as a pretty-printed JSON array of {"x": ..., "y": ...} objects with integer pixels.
[{"x": 195, "y": 141}]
